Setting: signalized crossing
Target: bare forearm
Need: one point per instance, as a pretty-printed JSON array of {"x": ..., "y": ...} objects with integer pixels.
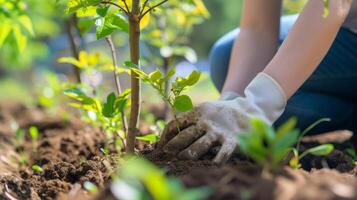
[
  {"x": 251, "y": 52},
  {"x": 256, "y": 43},
  {"x": 307, "y": 44}
]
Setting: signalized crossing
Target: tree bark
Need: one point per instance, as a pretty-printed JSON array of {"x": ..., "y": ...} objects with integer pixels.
[
  {"x": 134, "y": 37},
  {"x": 74, "y": 41}
]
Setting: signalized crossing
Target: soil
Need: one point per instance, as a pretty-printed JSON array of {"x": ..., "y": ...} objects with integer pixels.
[{"x": 69, "y": 153}]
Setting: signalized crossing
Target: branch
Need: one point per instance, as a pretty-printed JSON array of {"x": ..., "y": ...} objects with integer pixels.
[
  {"x": 116, "y": 77},
  {"x": 151, "y": 8},
  {"x": 117, "y": 5},
  {"x": 126, "y": 6},
  {"x": 144, "y": 5}
]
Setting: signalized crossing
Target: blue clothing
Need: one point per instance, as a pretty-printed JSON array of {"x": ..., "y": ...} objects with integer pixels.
[{"x": 331, "y": 91}]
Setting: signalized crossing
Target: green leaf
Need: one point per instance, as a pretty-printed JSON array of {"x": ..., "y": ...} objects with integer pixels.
[
  {"x": 193, "y": 78},
  {"x": 75, "y": 5},
  {"x": 109, "y": 24},
  {"x": 149, "y": 138},
  {"x": 19, "y": 135},
  {"x": 183, "y": 103},
  {"x": 102, "y": 11},
  {"x": 264, "y": 129},
  {"x": 129, "y": 64},
  {"x": 251, "y": 144},
  {"x": 156, "y": 75},
  {"x": 283, "y": 145},
  {"x": 84, "y": 25},
  {"x": 108, "y": 107},
  {"x": 5, "y": 28},
  {"x": 80, "y": 96},
  {"x": 321, "y": 150},
  {"x": 161, "y": 124},
  {"x": 37, "y": 168},
  {"x": 70, "y": 60},
  {"x": 34, "y": 133},
  {"x": 169, "y": 74},
  {"x": 26, "y": 22},
  {"x": 286, "y": 127},
  {"x": 140, "y": 73},
  {"x": 21, "y": 39}
]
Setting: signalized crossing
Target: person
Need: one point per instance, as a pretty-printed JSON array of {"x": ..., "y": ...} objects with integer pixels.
[{"x": 306, "y": 68}]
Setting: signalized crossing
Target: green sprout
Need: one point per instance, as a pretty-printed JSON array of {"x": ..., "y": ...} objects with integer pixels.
[
  {"x": 269, "y": 147},
  {"x": 37, "y": 168},
  {"x": 139, "y": 179},
  {"x": 34, "y": 134},
  {"x": 19, "y": 137},
  {"x": 90, "y": 187},
  {"x": 320, "y": 150}
]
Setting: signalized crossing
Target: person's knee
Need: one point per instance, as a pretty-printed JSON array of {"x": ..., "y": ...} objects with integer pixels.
[{"x": 218, "y": 59}]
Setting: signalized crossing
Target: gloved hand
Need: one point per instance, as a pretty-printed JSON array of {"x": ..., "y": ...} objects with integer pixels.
[{"x": 220, "y": 121}]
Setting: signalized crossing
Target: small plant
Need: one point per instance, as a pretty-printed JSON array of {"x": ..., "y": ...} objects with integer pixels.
[
  {"x": 320, "y": 150},
  {"x": 23, "y": 158},
  {"x": 104, "y": 114},
  {"x": 34, "y": 134},
  {"x": 37, "y": 168},
  {"x": 90, "y": 187},
  {"x": 140, "y": 179},
  {"x": 177, "y": 101},
  {"x": 266, "y": 146},
  {"x": 269, "y": 147},
  {"x": 19, "y": 137}
]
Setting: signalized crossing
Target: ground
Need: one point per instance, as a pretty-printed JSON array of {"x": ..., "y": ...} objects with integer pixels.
[{"x": 69, "y": 153}]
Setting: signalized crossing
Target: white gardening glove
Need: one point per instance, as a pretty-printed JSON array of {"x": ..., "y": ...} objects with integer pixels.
[
  {"x": 229, "y": 95},
  {"x": 220, "y": 121}
]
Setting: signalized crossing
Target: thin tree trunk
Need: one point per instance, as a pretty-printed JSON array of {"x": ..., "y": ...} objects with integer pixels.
[
  {"x": 165, "y": 66},
  {"x": 134, "y": 36},
  {"x": 116, "y": 78},
  {"x": 74, "y": 41}
]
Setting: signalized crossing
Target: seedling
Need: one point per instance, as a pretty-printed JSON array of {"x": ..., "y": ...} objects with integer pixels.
[
  {"x": 140, "y": 179},
  {"x": 19, "y": 137},
  {"x": 34, "y": 134},
  {"x": 104, "y": 114},
  {"x": 90, "y": 187},
  {"x": 269, "y": 147},
  {"x": 320, "y": 150},
  {"x": 37, "y": 168},
  {"x": 177, "y": 101}
]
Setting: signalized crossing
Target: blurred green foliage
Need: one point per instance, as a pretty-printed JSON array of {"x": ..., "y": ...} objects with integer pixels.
[
  {"x": 26, "y": 24},
  {"x": 140, "y": 179}
]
